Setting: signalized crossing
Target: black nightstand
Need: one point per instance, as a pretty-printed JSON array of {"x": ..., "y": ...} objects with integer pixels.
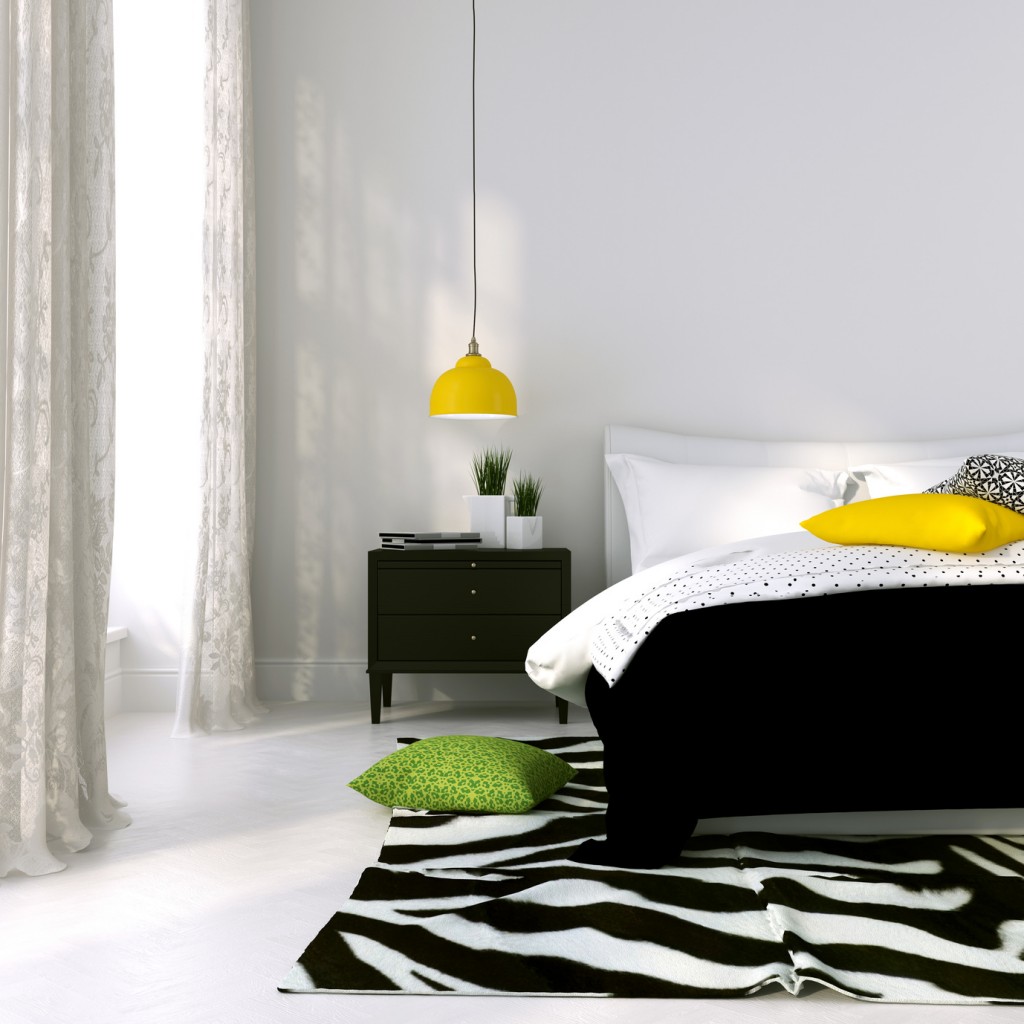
[{"x": 461, "y": 611}]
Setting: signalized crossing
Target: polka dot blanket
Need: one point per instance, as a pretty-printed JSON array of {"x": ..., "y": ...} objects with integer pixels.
[{"x": 753, "y": 574}]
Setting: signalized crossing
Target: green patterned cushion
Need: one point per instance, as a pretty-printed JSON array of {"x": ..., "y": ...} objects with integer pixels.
[{"x": 465, "y": 773}]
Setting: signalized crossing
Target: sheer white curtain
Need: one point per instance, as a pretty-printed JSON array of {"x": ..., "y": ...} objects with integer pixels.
[
  {"x": 216, "y": 686},
  {"x": 58, "y": 454}
]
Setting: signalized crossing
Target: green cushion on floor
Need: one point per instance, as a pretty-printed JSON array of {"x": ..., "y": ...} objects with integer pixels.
[{"x": 483, "y": 774}]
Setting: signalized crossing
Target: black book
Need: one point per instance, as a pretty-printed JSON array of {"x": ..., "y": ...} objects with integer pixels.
[
  {"x": 428, "y": 537},
  {"x": 429, "y": 545}
]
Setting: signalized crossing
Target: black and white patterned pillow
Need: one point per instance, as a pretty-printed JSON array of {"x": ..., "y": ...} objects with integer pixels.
[{"x": 996, "y": 478}]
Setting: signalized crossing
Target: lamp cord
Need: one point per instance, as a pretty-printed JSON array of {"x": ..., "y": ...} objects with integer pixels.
[{"x": 473, "y": 107}]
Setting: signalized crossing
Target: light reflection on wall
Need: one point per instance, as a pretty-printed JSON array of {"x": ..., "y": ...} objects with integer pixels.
[{"x": 311, "y": 383}]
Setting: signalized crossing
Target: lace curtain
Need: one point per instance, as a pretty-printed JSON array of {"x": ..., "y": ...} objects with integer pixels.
[
  {"x": 216, "y": 681},
  {"x": 58, "y": 454}
]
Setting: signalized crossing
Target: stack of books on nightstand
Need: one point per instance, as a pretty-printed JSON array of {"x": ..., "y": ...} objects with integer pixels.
[{"x": 429, "y": 541}]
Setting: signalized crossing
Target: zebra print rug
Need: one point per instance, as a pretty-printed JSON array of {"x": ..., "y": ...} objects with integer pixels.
[{"x": 490, "y": 904}]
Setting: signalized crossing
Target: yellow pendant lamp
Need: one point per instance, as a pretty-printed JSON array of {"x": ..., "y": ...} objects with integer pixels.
[{"x": 473, "y": 390}]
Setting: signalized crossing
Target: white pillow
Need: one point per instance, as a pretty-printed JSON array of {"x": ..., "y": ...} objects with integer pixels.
[
  {"x": 884, "y": 480},
  {"x": 673, "y": 508}
]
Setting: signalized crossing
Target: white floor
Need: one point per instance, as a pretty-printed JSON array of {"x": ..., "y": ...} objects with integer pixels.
[{"x": 242, "y": 845}]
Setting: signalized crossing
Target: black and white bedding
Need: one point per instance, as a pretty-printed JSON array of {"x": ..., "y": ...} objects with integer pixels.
[
  {"x": 810, "y": 677},
  {"x": 785, "y": 568},
  {"x": 606, "y": 631}
]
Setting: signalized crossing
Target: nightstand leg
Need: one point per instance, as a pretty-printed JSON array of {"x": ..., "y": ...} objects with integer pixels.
[
  {"x": 563, "y": 710},
  {"x": 380, "y": 684}
]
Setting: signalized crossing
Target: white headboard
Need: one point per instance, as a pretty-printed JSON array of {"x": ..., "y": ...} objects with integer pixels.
[{"x": 719, "y": 451}]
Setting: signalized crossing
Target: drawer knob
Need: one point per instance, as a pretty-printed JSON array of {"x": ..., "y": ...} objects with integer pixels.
[
  {"x": 472, "y": 638},
  {"x": 473, "y": 592},
  {"x": 472, "y": 565}
]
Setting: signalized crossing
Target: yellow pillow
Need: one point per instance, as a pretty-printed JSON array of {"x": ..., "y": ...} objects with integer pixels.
[{"x": 939, "y": 522}]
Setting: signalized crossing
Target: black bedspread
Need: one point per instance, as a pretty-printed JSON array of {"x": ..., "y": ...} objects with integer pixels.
[{"x": 895, "y": 699}]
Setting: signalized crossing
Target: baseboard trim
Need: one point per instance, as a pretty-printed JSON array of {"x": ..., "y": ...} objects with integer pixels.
[
  {"x": 149, "y": 690},
  {"x": 346, "y": 680},
  {"x": 342, "y": 680},
  {"x": 113, "y": 696}
]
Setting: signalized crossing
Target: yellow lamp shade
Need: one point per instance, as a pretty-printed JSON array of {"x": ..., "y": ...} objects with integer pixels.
[{"x": 473, "y": 390}]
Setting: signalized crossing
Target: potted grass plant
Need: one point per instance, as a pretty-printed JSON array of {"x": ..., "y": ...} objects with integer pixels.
[
  {"x": 490, "y": 506},
  {"x": 524, "y": 528}
]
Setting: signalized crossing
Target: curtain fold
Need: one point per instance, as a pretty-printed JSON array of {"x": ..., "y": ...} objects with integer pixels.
[
  {"x": 216, "y": 684},
  {"x": 58, "y": 456}
]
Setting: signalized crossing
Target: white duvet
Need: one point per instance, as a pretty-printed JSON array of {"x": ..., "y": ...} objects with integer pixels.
[{"x": 606, "y": 630}]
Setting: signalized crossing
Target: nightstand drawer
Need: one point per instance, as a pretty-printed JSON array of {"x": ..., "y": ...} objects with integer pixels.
[
  {"x": 460, "y": 611},
  {"x": 468, "y": 591},
  {"x": 426, "y": 638}
]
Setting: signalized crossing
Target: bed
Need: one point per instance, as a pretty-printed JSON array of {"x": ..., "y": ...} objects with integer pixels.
[{"x": 819, "y": 678}]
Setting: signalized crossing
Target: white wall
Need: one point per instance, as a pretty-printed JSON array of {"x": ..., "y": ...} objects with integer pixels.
[{"x": 762, "y": 218}]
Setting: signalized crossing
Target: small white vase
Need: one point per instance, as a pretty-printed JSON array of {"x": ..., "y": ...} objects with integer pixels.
[
  {"x": 524, "y": 531},
  {"x": 487, "y": 514}
]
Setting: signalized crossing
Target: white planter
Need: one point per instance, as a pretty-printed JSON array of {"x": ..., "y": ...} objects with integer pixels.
[
  {"x": 524, "y": 532},
  {"x": 487, "y": 514}
]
